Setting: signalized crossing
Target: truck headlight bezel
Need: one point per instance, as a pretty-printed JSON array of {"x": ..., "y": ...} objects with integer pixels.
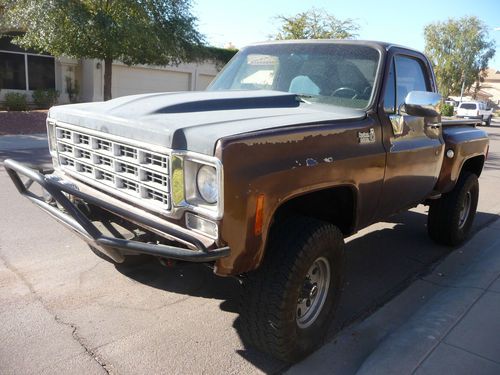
[{"x": 201, "y": 178}]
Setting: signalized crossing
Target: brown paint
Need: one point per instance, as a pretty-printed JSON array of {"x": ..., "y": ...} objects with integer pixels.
[
  {"x": 466, "y": 143},
  {"x": 387, "y": 176}
]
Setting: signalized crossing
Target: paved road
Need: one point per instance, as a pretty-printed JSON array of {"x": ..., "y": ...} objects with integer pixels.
[{"x": 62, "y": 309}]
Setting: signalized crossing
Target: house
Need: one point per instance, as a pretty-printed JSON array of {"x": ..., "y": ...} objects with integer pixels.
[
  {"x": 489, "y": 90},
  {"x": 491, "y": 86},
  {"x": 24, "y": 71}
]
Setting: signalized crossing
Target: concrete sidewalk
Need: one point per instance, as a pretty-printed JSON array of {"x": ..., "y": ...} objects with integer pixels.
[{"x": 447, "y": 322}]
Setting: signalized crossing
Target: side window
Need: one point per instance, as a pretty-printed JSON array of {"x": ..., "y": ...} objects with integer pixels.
[
  {"x": 409, "y": 77},
  {"x": 390, "y": 92}
]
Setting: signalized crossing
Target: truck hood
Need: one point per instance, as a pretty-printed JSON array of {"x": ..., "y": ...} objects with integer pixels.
[{"x": 194, "y": 121}]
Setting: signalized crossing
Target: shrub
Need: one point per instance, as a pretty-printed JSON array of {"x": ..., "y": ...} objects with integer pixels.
[
  {"x": 45, "y": 98},
  {"x": 447, "y": 110},
  {"x": 15, "y": 101}
]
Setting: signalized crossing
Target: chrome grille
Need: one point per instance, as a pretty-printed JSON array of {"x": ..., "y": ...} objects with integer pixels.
[
  {"x": 127, "y": 152},
  {"x": 101, "y": 144},
  {"x": 117, "y": 166}
]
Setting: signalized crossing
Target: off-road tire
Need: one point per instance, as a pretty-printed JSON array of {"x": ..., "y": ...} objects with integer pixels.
[
  {"x": 444, "y": 219},
  {"x": 268, "y": 309}
]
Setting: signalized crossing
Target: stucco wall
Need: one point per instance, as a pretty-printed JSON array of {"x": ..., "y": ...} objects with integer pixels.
[{"x": 129, "y": 80}]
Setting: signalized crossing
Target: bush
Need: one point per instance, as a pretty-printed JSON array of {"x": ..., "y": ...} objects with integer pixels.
[
  {"x": 45, "y": 98},
  {"x": 16, "y": 102},
  {"x": 447, "y": 110}
]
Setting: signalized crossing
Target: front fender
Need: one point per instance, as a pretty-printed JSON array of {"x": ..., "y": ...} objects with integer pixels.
[{"x": 287, "y": 163}]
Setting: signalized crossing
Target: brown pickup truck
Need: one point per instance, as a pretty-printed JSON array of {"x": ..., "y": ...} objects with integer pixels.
[{"x": 294, "y": 146}]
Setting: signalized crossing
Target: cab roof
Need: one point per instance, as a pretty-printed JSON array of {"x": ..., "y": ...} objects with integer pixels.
[{"x": 369, "y": 43}]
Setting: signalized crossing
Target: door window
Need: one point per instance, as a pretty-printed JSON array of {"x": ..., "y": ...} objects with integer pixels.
[
  {"x": 390, "y": 92},
  {"x": 409, "y": 77}
]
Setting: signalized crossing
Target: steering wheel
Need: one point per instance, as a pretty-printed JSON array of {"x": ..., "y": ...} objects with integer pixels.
[{"x": 347, "y": 90}]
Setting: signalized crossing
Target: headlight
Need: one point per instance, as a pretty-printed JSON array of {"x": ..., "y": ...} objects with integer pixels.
[{"x": 206, "y": 181}]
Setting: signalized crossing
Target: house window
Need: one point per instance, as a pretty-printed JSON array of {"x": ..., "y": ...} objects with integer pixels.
[
  {"x": 24, "y": 69},
  {"x": 12, "y": 71},
  {"x": 41, "y": 72}
]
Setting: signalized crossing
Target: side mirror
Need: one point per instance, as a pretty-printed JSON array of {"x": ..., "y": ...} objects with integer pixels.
[{"x": 422, "y": 103}]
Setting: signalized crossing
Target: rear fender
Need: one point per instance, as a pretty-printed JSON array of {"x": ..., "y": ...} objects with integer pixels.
[{"x": 469, "y": 146}]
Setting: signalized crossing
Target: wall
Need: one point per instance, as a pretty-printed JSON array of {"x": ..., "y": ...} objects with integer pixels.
[{"x": 129, "y": 80}]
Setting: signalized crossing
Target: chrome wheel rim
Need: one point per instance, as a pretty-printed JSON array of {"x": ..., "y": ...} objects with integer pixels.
[
  {"x": 465, "y": 210},
  {"x": 313, "y": 294}
]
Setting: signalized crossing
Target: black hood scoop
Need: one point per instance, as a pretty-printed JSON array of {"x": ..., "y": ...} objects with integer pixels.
[{"x": 245, "y": 100}]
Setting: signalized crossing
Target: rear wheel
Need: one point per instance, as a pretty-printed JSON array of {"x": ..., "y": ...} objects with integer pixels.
[
  {"x": 288, "y": 303},
  {"x": 450, "y": 217}
]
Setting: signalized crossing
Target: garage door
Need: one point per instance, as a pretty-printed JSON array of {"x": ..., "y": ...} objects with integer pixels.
[
  {"x": 203, "y": 81},
  {"x": 131, "y": 80}
]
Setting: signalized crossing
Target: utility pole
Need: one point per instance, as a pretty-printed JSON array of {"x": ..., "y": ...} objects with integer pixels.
[
  {"x": 463, "y": 87},
  {"x": 462, "y": 91}
]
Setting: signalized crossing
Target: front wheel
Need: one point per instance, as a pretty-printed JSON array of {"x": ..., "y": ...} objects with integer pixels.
[
  {"x": 450, "y": 217},
  {"x": 288, "y": 303}
]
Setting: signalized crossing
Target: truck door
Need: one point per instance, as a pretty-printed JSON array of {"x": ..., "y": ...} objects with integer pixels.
[{"x": 414, "y": 145}]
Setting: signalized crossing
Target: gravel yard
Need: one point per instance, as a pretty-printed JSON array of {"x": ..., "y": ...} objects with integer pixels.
[{"x": 30, "y": 122}]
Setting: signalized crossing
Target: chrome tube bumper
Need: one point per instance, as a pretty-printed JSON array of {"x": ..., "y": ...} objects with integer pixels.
[{"x": 74, "y": 219}]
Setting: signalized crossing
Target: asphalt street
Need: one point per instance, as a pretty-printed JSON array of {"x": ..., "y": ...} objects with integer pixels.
[{"x": 63, "y": 310}]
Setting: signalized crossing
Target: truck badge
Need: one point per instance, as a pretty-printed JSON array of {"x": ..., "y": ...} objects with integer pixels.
[{"x": 367, "y": 137}]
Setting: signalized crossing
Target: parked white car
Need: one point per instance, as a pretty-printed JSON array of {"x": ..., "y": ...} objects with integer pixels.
[{"x": 475, "y": 110}]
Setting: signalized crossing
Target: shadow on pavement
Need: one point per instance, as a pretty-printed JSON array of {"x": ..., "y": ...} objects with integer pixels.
[
  {"x": 35, "y": 158},
  {"x": 379, "y": 265},
  {"x": 493, "y": 161}
]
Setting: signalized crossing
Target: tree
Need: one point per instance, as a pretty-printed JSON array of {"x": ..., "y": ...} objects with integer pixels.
[
  {"x": 315, "y": 24},
  {"x": 157, "y": 32},
  {"x": 459, "y": 50}
]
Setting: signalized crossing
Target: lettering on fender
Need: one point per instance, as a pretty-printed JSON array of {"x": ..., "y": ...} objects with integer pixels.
[{"x": 367, "y": 137}]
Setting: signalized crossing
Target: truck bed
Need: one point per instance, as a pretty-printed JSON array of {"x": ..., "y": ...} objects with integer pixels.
[{"x": 453, "y": 121}]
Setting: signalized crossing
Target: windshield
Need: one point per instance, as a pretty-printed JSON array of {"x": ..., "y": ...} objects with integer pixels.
[{"x": 338, "y": 74}]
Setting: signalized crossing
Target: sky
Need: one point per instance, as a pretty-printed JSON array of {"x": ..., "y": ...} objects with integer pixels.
[{"x": 400, "y": 22}]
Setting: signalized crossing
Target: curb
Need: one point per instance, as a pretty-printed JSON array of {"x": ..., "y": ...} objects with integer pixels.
[
  {"x": 408, "y": 347},
  {"x": 399, "y": 336}
]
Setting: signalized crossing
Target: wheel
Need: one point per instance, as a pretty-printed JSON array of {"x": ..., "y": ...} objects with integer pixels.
[
  {"x": 130, "y": 260},
  {"x": 288, "y": 303},
  {"x": 450, "y": 217},
  {"x": 488, "y": 121}
]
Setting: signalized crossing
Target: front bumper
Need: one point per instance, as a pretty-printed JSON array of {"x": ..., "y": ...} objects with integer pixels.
[{"x": 75, "y": 220}]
